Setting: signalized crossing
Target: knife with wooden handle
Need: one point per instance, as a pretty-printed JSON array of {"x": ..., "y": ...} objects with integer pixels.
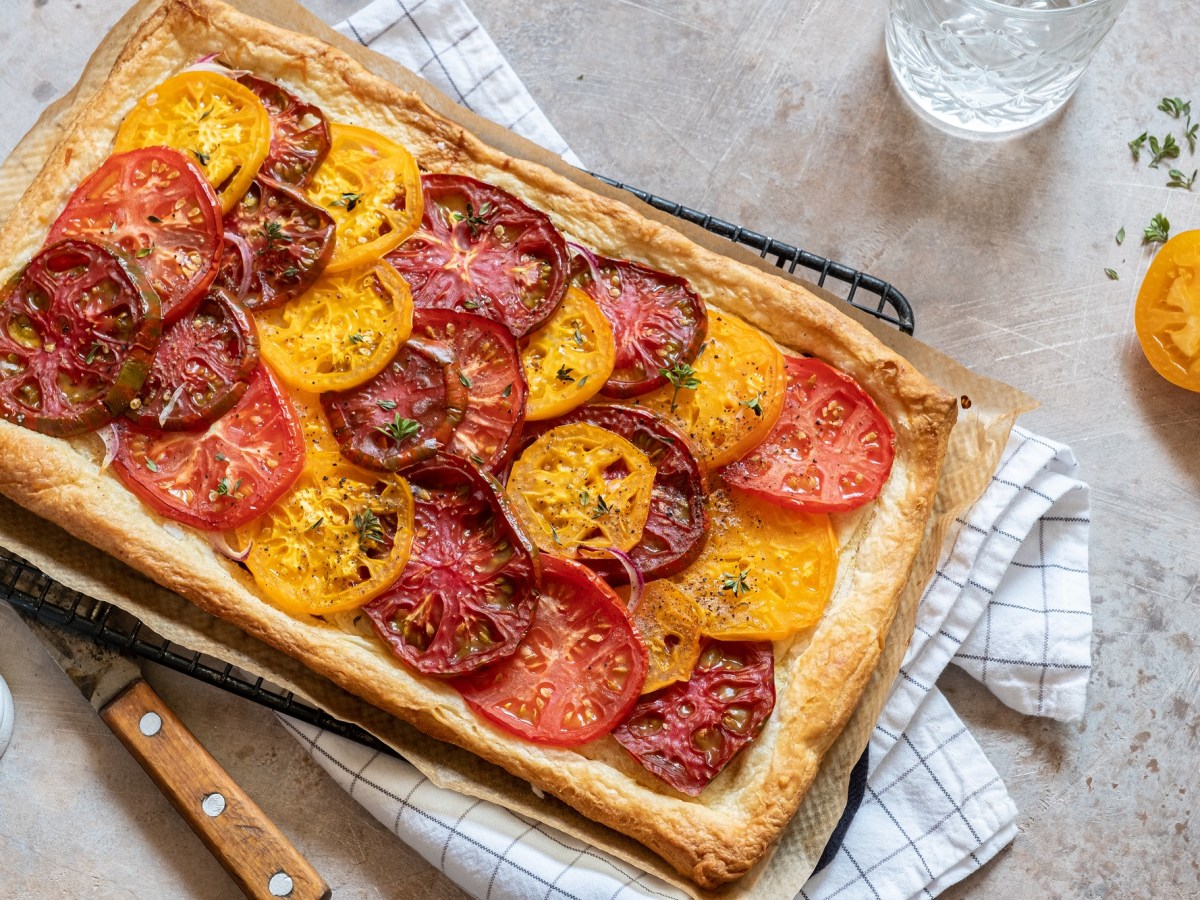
[{"x": 254, "y": 852}]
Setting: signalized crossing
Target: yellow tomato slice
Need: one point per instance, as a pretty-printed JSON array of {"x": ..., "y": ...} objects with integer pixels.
[
  {"x": 1167, "y": 316},
  {"x": 568, "y": 359},
  {"x": 372, "y": 188},
  {"x": 341, "y": 331},
  {"x": 582, "y": 486},
  {"x": 670, "y": 623},
  {"x": 337, "y": 539},
  {"x": 731, "y": 395},
  {"x": 765, "y": 572},
  {"x": 212, "y": 120}
]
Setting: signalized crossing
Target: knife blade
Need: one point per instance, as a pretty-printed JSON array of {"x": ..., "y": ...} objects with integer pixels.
[{"x": 255, "y": 853}]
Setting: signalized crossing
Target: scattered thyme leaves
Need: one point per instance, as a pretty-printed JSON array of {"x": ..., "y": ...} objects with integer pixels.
[
  {"x": 683, "y": 377},
  {"x": 1112, "y": 274},
  {"x": 564, "y": 374},
  {"x": 368, "y": 527},
  {"x": 1157, "y": 231},
  {"x": 754, "y": 404},
  {"x": 348, "y": 201},
  {"x": 200, "y": 155},
  {"x": 602, "y": 508},
  {"x": 1135, "y": 146},
  {"x": 1180, "y": 180},
  {"x": 736, "y": 582},
  {"x": 386, "y": 405},
  {"x": 400, "y": 428},
  {"x": 1121, "y": 236}
]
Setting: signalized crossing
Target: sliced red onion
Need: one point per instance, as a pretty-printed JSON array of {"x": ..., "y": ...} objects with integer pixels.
[
  {"x": 209, "y": 64},
  {"x": 243, "y": 249},
  {"x": 637, "y": 582},
  {"x": 108, "y": 434},
  {"x": 166, "y": 410},
  {"x": 173, "y": 530},
  {"x": 220, "y": 543}
]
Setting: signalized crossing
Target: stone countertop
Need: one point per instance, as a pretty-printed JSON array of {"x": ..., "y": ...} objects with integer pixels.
[{"x": 779, "y": 115}]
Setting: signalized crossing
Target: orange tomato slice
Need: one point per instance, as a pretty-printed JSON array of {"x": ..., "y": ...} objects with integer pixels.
[
  {"x": 730, "y": 397},
  {"x": 212, "y": 120},
  {"x": 568, "y": 359},
  {"x": 372, "y": 188},
  {"x": 1167, "y": 316},
  {"x": 670, "y": 623}
]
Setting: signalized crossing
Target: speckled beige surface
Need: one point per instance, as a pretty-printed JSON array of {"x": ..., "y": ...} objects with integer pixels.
[{"x": 778, "y": 114}]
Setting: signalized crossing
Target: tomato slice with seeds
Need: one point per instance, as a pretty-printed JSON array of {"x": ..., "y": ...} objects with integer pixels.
[
  {"x": 491, "y": 370},
  {"x": 221, "y": 477},
  {"x": 480, "y": 249},
  {"x": 468, "y": 593},
  {"x": 299, "y": 132},
  {"x": 657, "y": 319},
  {"x": 1167, "y": 314},
  {"x": 568, "y": 359},
  {"x": 831, "y": 449},
  {"x": 156, "y": 206},
  {"x": 78, "y": 328},
  {"x": 290, "y": 243},
  {"x": 670, "y": 624},
  {"x": 404, "y": 414},
  {"x": 687, "y": 733},
  {"x": 676, "y": 525},
  {"x": 201, "y": 368},
  {"x": 576, "y": 673}
]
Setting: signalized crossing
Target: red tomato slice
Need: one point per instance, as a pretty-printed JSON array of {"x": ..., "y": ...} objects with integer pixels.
[
  {"x": 495, "y": 382},
  {"x": 677, "y": 524},
  {"x": 299, "y": 132},
  {"x": 657, "y": 319},
  {"x": 467, "y": 595},
  {"x": 224, "y": 476},
  {"x": 688, "y": 732},
  {"x": 404, "y": 414},
  {"x": 201, "y": 367},
  {"x": 158, "y": 208},
  {"x": 287, "y": 240},
  {"x": 480, "y": 249},
  {"x": 577, "y": 672},
  {"x": 78, "y": 328},
  {"x": 831, "y": 449}
]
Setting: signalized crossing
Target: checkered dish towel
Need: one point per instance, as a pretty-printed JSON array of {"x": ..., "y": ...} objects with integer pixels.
[{"x": 1009, "y": 604}]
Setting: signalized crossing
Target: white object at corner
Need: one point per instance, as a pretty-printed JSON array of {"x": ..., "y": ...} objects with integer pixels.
[{"x": 7, "y": 714}]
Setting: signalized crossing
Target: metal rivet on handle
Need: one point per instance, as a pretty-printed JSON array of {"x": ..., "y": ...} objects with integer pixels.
[
  {"x": 213, "y": 805},
  {"x": 280, "y": 885},
  {"x": 150, "y": 724}
]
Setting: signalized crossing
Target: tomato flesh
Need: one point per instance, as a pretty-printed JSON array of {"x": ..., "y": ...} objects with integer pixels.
[
  {"x": 201, "y": 368},
  {"x": 299, "y": 132},
  {"x": 479, "y": 249},
  {"x": 78, "y": 328},
  {"x": 675, "y": 528},
  {"x": 159, "y": 208},
  {"x": 1167, "y": 315},
  {"x": 688, "y": 732},
  {"x": 657, "y": 319},
  {"x": 830, "y": 450},
  {"x": 468, "y": 593},
  {"x": 404, "y": 414},
  {"x": 576, "y": 673},
  {"x": 491, "y": 370},
  {"x": 221, "y": 477}
]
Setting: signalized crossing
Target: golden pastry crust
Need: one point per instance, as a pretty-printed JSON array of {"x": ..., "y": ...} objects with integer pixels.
[{"x": 820, "y": 675}]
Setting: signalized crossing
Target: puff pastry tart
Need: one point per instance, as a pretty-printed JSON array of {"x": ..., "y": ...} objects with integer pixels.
[{"x": 491, "y": 451}]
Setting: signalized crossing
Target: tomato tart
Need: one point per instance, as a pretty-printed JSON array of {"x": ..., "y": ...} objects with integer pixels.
[{"x": 491, "y": 451}]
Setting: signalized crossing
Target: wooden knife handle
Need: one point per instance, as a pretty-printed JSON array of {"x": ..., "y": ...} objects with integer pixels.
[{"x": 253, "y": 851}]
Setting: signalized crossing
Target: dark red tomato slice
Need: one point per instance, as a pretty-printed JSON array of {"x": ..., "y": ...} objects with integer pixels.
[
  {"x": 78, "y": 329},
  {"x": 404, "y": 414},
  {"x": 657, "y": 319},
  {"x": 677, "y": 524},
  {"x": 467, "y": 595},
  {"x": 577, "y": 672},
  {"x": 831, "y": 449},
  {"x": 688, "y": 732},
  {"x": 299, "y": 132},
  {"x": 158, "y": 208},
  {"x": 201, "y": 367},
  {"x": 221, "y": 477},
  {"x": 287, "y": 240},
  {"x": 480, "y": 249},
  {"x": 495, "y": 381}
]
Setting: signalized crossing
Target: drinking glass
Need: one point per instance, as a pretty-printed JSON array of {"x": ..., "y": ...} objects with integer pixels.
[{"x": 993, "y": 66}]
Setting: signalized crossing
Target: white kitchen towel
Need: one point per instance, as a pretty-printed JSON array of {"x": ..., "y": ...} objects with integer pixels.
[{"x": 935, "y": 808}]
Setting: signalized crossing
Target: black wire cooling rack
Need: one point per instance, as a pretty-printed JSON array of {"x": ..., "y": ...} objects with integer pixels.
[{"x": 36, "y": 594}]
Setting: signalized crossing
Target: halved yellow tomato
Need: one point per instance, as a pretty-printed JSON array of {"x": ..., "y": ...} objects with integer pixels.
[
  {"x": 582, "y": 486},
  {"x": 341, "y": 331},
  {"x": 1167, "y": 316},
  {"x": 730, "y": 397},
  {"x": 765, "y": 572},
  {"x": 337, "y": 539},
  {"x": 568, "y": 359},
  {"x": 212, "y": 120},
  {"x": 670, "y": 624},
  {"x": 372, "y": 188}
]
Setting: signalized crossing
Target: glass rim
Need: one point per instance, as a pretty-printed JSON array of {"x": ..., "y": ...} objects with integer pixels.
[{"x": 999, "y": 6}]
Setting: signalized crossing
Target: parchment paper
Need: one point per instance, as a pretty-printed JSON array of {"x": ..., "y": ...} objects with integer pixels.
[{"x": 975, "y": 447}]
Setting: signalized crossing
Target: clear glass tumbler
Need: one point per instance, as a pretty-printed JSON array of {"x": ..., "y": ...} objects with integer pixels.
[{"x": 994, "y": 66}]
